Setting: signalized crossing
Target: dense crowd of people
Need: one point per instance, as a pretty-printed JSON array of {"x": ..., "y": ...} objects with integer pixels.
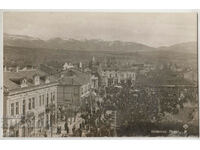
[
  {"x": 96, "y": 120},
  {"x": 138, "y": 109}
]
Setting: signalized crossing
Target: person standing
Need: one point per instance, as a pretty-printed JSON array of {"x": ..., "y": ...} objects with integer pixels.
[
  {"x": 73, "y": 129},
  {"x": 66, "y": 127},
  {"x": 45, "y": 134}
]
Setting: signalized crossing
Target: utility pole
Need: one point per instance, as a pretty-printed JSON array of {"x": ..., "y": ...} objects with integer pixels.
[{"x": 51, "y": 123}]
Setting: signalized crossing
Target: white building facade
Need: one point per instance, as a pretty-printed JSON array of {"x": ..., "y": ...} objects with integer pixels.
[
  {"x": 27, "y": 105},
  {"x": 114, "y": 77}
]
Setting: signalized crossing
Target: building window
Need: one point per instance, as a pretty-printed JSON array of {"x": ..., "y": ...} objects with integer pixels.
[
  {"x": 75, "y": 91},
  {"x": 17, "y": 108},
  {"x": 24, "y": 107},
  {"x": 29, "y": 104},
  {"x": 23, "y": 83},
  {"x": 47, "y": 99},
  {"x": 36, "y": 80},
  {"x": 40, "y": 100},
  {"x": 47, "y": 80},
  {"x": 51, "y": 97},
  {"x": 12, "y": 109},
  {"x": 33, "y": 102}
]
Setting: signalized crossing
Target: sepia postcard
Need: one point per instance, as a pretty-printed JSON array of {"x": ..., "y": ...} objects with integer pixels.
[{"x": 100, "y": 74}]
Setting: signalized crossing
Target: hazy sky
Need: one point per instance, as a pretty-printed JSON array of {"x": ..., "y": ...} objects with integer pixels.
[{"x": 153, "y": 29}]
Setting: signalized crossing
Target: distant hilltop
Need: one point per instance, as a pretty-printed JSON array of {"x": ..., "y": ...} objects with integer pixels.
[{"x": 187, "y": 47}]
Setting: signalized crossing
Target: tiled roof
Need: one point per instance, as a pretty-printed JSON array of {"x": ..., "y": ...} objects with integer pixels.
[
  {"x": 71, "y": 77},
  {"x": 48, "y": 69},
  {"x": 74, "y": 77},
  {"x": 11, "y": 80}
]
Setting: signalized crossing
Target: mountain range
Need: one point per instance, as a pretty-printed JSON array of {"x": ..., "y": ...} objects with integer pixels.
[{"x": 91, "y": 45}]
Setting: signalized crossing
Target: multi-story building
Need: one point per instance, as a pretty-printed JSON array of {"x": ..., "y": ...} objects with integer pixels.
[
  {"x": 73, "y": 87},
  {"x": 28, "y": 97},
  {"x": 113, "y": 76},
  {"x": 32, "y": 99}
]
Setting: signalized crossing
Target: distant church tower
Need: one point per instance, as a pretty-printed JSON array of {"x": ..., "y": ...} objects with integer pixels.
[
  {"x": 93, "y": 59},
  {"x": 80, "y": 65}
]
